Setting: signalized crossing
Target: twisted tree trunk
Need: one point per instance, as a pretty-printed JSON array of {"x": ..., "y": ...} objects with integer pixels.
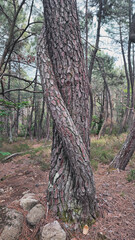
[{"x": 71, "y": 190}]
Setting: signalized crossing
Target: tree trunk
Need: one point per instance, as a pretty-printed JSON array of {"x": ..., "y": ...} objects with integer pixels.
[
  {"x": 29, "y": 130},
  {"x": 130, "y": 65},
  {"x": 71, "y": 190},
  {"x": 93, "y": 56},
  {"x": 103, "y": 128},
  {"x": 8, "y": 95},
  {"x": 125, "y": 118},
  {"x": 47, "y": 126},
  {"x": 40, "y": 127},
  {"x": 124, "y": 155},
  {"x": 94, "y": 52}
]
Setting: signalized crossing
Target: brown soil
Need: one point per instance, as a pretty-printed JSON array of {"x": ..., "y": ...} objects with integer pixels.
[{"x": 115, "y": 197}]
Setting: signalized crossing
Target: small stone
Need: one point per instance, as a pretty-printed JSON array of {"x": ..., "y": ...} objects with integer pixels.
[
  {"x": 28, "y": 201},
  {"x": 13, "y": 225},
  {"x": 1, "y": 190},
  {"x": 35, "y": 214},
  {"x": 53, "y": 231}
]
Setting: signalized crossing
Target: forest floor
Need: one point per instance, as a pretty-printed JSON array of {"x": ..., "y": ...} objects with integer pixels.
[{"x": 115, "y": 195}]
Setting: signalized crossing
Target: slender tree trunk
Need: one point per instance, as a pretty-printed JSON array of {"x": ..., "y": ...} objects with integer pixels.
[
  {"x": 108, "y": 95},
  {"x": 94, "y": 52},
  {"x": 8, "y": 95},
  {"x": 93, "y": 56},
  {"x": 29, "y": 130},
  {"x": 131, "y": 83},
  {"x": 71, "y": 191},
  {"x": 40, "y": 131},
  {"x": 125, "y": 118},
  {"x": 102, "y": 130},
  {"x": 124, "y": 155},
  {"x": 17, "y": 115},
  {"x": 47, "y": 126},
  {"x": 10, "y": 129},
  {"x": 18, "y": 108},
  {"x": 131, "y": 73}
]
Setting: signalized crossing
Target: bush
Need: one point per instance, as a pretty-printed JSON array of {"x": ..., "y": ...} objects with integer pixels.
[{"x": 131, "y": 175}]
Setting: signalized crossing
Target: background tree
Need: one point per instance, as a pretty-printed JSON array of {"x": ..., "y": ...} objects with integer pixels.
[{"x": 122, "y": 158}]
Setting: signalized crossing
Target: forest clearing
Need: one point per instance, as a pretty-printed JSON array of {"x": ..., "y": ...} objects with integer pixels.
[{"x": 67, "y": 120}]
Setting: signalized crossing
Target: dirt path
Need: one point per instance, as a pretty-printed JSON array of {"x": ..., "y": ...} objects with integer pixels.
[{"x": 115, "y": 196}]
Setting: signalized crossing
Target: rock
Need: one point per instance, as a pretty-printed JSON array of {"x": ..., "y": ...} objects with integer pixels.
[
  {"x": 28, "y": 201},
  {"x": 13, "y": 225},
  {"x": 53, "y": 231},
  {"x": 1, "y": 190},
  {"x": 35, "y": 214}
]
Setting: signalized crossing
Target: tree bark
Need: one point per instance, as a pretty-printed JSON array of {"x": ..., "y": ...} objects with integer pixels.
[
  {"x": 71, "y": 190},
  {"x": 124, "y": 155}
]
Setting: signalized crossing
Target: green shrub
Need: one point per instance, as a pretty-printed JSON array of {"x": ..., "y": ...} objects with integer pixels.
[
  {"x": 94, "y": 164},
  {"x": 131, "y": 175},
  {"x": 3, "y": 155},
  {"x": 100, "y": 154}
]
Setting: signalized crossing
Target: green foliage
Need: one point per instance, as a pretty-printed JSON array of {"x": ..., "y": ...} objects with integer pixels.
[
  {"x": 131, "y": 176},
  {"x": 22, "y": 147},
  {"x": 15, "y": 147},
  {"x": 100, "y": 154},
  {"x": 103, "y": 150},
  {"x": 94, "y": 164},
  {"x": 9, "y": 104},
  {"x": 4, "y": 153},
  {"x": 3, "y": 113}
]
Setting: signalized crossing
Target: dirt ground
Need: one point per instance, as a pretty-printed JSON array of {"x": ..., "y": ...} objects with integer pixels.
[{"x": 115, "y": 197}]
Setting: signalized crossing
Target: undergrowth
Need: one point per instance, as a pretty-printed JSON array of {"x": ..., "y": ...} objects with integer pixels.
[
  {"x": 131, "y": 175},
  {"x": 103, "y": 150}
]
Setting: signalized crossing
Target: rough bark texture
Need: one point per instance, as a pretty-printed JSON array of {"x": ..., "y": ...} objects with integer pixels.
[
  {"x": 124, "y": 155},
  {"x": 71, "y": 191}
]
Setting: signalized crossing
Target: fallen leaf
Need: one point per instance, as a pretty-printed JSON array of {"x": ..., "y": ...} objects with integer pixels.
[{"x": 85, "y": 229}]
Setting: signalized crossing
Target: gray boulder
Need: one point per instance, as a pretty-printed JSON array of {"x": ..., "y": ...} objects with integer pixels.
[
  {"x": 35, "y": 214},
  {"x": 28, "y": 201},
  {"x": 13, "y": 225},
  {"x": 53, "y": 231}
]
